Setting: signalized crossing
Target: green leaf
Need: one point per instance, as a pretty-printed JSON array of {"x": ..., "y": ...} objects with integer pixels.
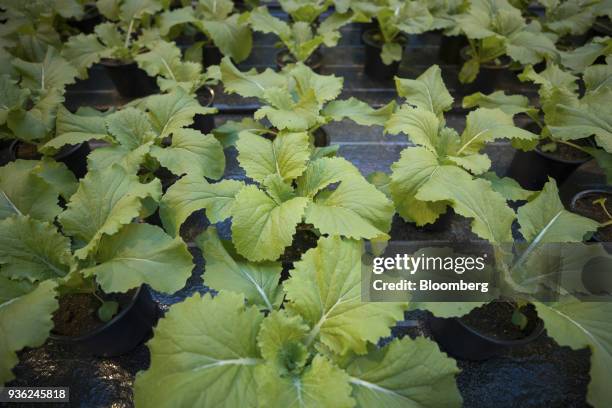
[
  {"x": 355, "y": 209},
  {"x": 231, "y": 36},
  {"x": 228, "y": 132},
  {"x": 322, "y": 172},
  {"x": 57, "y": 175},
  {"x": 604, "y": 161},
  {"x": 286, "y": 155},
  {"x": 193, "y": 153},
  {"x": 130, "y": 127},
  {"x": 405, "y": 373},
  {"x": 204, "y": 352},
  {"x": 420, "y": 125},
  {"x": 191, "y": 194},
  {"x": 261, "y": 20},
  {"x": 104, "y": 202},
  {"x": 584, "y": 324},
  {"x": 25, "y": 321},
  {"x": 415, "y": 167},
  {"x": 12, "y": 95},
  {"x": 281, "y": 341},
  {"x": 486, "y": 125},
  {"x": 33, "y": 250},
  {"x": 472, "y": 198},
  {"x": 509, "y": 104},
  {"x": 84, "y": 50},
  {"x": 545, "y": 219},
  {"x": 107, "y": 310},
  {"x": 141, "y": 254},
  {"x": 325, "y": 289},
  {"x": 170, "y": 112},
  {"x": 530, "y": 48},
  {"x": 507, "y": 187},
  {"x": 171, "y": 18},
  {"x": 131, "y": 160},
  {"x": 580, "y": 58},
  {"x": 52, "y": 72},
  {"x": 250, "y": 83},
  {"x": 262, "y": 228},
  {"x": 138, "y": 9},
  {"x": 427, "y": 91},
  {"x": 571, "y": 123},
  {"x": 321, "y": 384},
  {"x": 474, "y": 163},
  {"x": 23, "y": 191},
  {"x": 358, "y": 111},
  {"x": 391, "y": 52},
  {"x": 228, "y": 271},
  {"x": 159, "y": 59},
  {"x": 74, "y": 129}
]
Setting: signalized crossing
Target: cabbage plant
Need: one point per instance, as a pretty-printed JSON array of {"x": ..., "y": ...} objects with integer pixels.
[
  {"x": 97, "y": 249},
  {"x": 152, "y": 133},
  {"x": 297, "y": 99},
  {"x": 217, "y": 20},
  {"x": 32, "y": 93},
  {"x": 565, "y": 116},
  {"x": 495, "y": 29},
  {"x": 301, "y": 38},
  {"x": 307, "y": 342},
  {"x": 447, "y": 168}
]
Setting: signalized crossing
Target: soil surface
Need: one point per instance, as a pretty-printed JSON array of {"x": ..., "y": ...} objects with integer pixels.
[
  {"x": 303, "y": 239},
  {"x": 27, "y": 151},
  {"x": 568, "y": 153},
  {"x": 584, "y": 206},
  {"x": 77, "y": 313},
  {"x": 495, "y": 320}
]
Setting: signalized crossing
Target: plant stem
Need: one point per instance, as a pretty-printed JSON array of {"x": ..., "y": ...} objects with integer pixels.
[{"x": 129, "y": 34}]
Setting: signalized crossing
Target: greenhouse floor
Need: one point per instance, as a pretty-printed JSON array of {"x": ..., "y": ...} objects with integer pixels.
[{"x": 540, "y": 374}]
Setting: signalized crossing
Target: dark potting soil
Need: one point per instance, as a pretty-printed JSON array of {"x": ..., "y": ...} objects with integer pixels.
[
  {"x": 303, "y": 240},
  {"x": 584, "y": 206},
  {"x": 27, "y": 151},
  {"x": 495, "y": 320},
  {"x": 77, "y": 312},
  {"x": 568, "y": 153}
]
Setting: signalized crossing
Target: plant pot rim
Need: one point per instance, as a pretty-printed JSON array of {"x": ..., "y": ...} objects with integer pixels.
[
  {"x": 62, "y": 153},
  {"x": 559, "y": 159},
  {"x": 103, "y": 327},
  {"x": 208, "y": 93},
  {"x": 489, "y": 64},
  {"x": 537, "y": 332},
  {"x": 316, "y": 59},
  {"x": 366, "y": 37},
  {"x": 594, "y": 190},
  {"x": 115, "y": 62}
]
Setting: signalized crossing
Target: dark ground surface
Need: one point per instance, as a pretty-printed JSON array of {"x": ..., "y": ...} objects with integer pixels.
[{"x": 540, "y": 374}]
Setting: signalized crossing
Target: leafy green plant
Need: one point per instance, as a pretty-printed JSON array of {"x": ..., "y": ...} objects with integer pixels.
[
  {"x": 126, "y": 34},
  {"x": 565, "y": 117},
  {"x": 577, "y": 60},
  {"x": 315, "y": 348},
  {"x": 33, "y": 26},
  {"x": 295, "y": 185},
  {"x": 217, "y": 20},
  {"x": 395, "y": 19},
  {"x": 152, "y": 133},
  {"x": 297, "y": 99},
  {"x": 98, "y": 249},
  {"x": 163, "y": 60},
  {"x": 544, "y": 225},
  {"x": 496, "y": 29},
  {"x": 301, "y": 38},
  {"x": 31, "y": 94},
  {"x": 444, "y": 167},
  {"x": 568, "y": 17}
]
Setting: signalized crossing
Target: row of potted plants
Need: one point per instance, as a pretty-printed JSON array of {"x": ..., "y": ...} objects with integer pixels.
[{"x": 81, "y": 245}]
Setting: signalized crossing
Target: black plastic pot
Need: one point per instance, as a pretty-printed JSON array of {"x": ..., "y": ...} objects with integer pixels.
[
  {"x": 321, "y": 138},
  {"x": 450, "y": 49},
  {"x": 531, "y": 169},
  {"x": 211, "y": 55},
  {"x": 491, "y": 76},
  {"x": 373, "y": 66},
  {"x": 602, "y": 27},
  {"x": 205, "y": 123},
  {"x": 284, "y": 58},
  {"x": 603, "y": 190},
  {"x": 74, "y": 157},
  {"x": 123, "y": 333},
  {"x": 461, "y": 341},
  {"x": 130, "y": 81},
  {"x": 90, "y": 20}
]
